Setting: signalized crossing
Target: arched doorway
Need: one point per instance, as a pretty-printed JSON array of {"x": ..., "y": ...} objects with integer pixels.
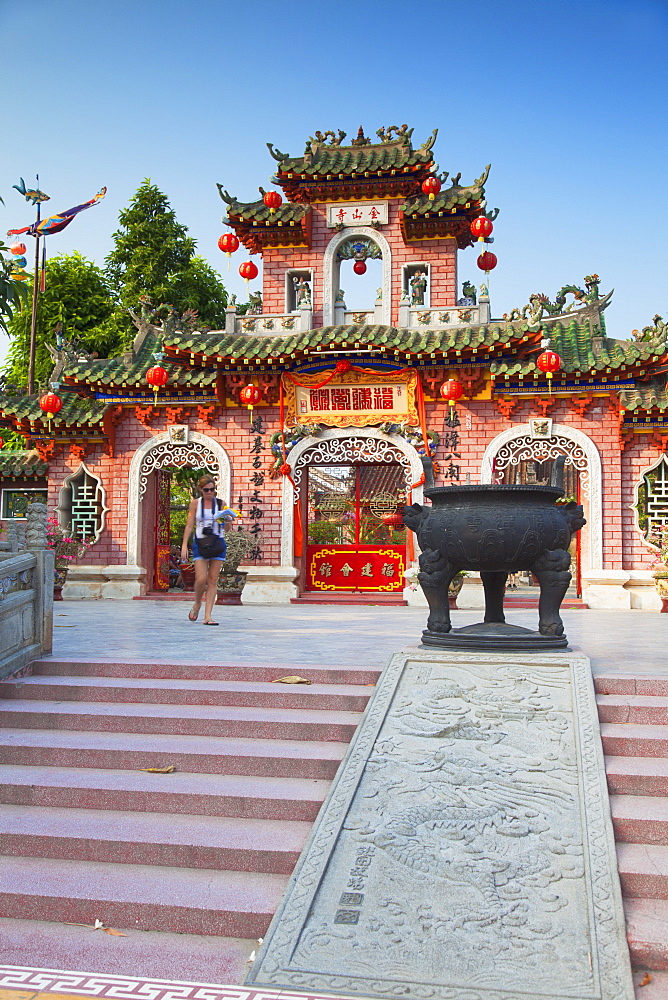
[
  {"x": 527, "y": 452},
  {"x": 148, "y": 492},
  {"x": 345, "y": 482},
  {"x": 332, "y": 265}
]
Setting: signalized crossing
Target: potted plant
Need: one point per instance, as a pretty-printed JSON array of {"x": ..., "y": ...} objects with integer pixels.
[
  {"x": 658, "y": 538},
  {"x": 66, "y": 548},
  {"x": 455, "y": 587},
  {"x": 231, "y": 582}
]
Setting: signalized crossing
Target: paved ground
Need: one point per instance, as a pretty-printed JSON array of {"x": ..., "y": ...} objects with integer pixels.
[{"x": 154, "y": 631}]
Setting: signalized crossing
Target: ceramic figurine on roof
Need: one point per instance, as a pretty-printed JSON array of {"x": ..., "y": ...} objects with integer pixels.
[{"x": 367, "y": 392}]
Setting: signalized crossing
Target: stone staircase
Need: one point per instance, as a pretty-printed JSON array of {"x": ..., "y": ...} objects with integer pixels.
[
  {"x": 201, "y": 855},
  {"x": 634, "y": 727}
]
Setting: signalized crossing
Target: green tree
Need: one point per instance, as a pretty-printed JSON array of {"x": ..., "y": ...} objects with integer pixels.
[
  {"x": 76, "y": 296},
  {"x": 154, "y": 260}
]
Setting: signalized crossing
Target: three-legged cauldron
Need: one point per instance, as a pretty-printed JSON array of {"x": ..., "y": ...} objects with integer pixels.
[{"x": 496, "y": 530}]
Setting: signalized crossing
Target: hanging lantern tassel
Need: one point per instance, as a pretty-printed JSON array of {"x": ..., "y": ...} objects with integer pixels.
[
  {"x": 156, "y": 377},
  {"x": 452, "y": 390},
  {"x": 548, "y": 362},
  {"x": 250, "y": 396},
  {"x": 50, "y": 403},
  {"x": 248, "y": 271},
  {"x": 229, "y": 244}
]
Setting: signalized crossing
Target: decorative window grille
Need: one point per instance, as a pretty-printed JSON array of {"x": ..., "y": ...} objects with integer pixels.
[
  {"x": 82, "y": 504},
  {"x": 652, "y": 504}
]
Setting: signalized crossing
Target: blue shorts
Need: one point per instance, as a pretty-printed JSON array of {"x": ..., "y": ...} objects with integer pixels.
[{"x": 195, "y": 550}]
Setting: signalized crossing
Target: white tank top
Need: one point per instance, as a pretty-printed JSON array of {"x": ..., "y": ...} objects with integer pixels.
[{"x": 206, "y": 517}]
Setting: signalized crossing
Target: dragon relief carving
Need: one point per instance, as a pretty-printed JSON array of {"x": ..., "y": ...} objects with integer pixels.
[{"x": 539, "y": 304}]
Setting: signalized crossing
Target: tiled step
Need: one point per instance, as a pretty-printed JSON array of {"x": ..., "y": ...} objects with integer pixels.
[
  {"x": 199, "y": 754},
  {"x": 180, "y": 792},
  {"x": 647, "y": 933},
  {"x": 215, "y": 842},
  {"x": 633, "y": 708},
  {"x": 145, "y": 954},
  {"x": 640, "y": 819},
  {"x": 182, "y": 720},
  {"x": 152, "y": 898},
  {"x": 194, "y": 671},
  {"x": 634, "y": 740},
  {"x": 631, "y": 684},
  {"x": 637, "y": 775},
  {"x": 329, "y": 697},
  {"x": 643, "y": 870}
]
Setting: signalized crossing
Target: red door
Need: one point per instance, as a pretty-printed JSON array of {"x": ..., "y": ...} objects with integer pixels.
[
  {"x": 349, "y": 546},
  {"x": 162, "y": 531}
]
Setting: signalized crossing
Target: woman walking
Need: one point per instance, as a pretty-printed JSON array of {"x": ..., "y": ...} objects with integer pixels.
[{"x": 207, "y": 515}]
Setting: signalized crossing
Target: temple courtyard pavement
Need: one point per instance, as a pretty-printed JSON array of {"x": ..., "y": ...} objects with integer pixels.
[{"x": 315, "y": 639}]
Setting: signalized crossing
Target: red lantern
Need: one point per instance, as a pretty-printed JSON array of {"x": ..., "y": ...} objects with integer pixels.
[
  {"x": 50, "y": 404},
  {"x": 394, "y": 520},
  {"x": 452, "y": 390},
  {"x": 487, "y": 261},
  {"x": 272, "y": 200},
  {"x": 481, "y": 227},
  {"x": 2, "y": 442},
  {"x": 431, "y": 186},
  {"x": 250, "y": 396},
  {"x": 18, "y": 249},
  {"x": 548, "y": 362},
  {"x": 248, "y": 270},
  {"x": 156, "y": 378},
  {"x": 359, "y": 267},
  {"x": 342, "y": 366}
]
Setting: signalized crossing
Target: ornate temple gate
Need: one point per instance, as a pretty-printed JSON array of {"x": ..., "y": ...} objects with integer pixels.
[
  {"x": 529, "y": 460},
  {"x": 350, "y": 488}
]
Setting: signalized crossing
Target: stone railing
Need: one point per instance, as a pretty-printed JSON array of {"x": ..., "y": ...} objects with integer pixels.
[
  {"x": 26, "y": 594},
  {"x": 268, "y": 325},
  {"x": 424, "y": 318}
]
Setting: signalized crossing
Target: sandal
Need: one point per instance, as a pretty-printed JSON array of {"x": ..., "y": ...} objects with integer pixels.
[
  {"x": 193, "y": 615},
  {"x": 210, "y": 623}
]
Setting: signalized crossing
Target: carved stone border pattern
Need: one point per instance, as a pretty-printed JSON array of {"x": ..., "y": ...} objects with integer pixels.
[
  {"x": 612, "y": 972},
  {"x": 78, "y": 984},
  {"x": 193, "y": 454},
  {"x": 524, "y": 449}
]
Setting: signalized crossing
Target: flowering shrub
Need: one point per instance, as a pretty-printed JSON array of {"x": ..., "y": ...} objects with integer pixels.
[
  {"x": 65, "y": 548},
  {"x": 658, "y": 538}
]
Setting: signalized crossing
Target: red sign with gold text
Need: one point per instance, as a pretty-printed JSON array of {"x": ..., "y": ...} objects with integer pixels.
[{"x": 363, "y": 568}]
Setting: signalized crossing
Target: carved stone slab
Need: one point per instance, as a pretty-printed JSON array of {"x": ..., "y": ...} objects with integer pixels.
[{"x": 465, "y": 851}]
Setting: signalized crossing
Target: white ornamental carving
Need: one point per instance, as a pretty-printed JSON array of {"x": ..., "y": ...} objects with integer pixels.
[
  {"x": 343, "y": 451},
  {"x": 526, "y": 449},
  {"x": 194, "y": 455}
]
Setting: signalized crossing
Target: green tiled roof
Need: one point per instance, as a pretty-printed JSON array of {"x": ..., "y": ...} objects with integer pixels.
[
  {"x": 117, "y": 373},
  {"x": 257, "y": 211},
  {"x": 322, "y": 160},
  {"x": 420, "y": 341},
  {"x": 646, "y": 396},
  {"x": 572, "y": 342},
  {"x": 22, "y": 465},
  {"x": 454, "y": 196},
  {"x": 76, "y": 410}
]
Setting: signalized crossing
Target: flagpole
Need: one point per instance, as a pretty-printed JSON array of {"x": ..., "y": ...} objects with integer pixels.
[{"x": 35, "y": 293}]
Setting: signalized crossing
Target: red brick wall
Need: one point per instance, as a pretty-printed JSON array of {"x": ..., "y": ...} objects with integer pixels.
[
  {"x": 440, "y": 254},
  {"x": 480, "y": 423}
]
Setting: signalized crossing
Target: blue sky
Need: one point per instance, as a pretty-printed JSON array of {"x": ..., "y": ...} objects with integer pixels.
[{"x": 566, "y": 100}]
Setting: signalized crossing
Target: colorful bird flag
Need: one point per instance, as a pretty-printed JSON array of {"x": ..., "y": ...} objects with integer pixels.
[{"x": 56, "y": 223}]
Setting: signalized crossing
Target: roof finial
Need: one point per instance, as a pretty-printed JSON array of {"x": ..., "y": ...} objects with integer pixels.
[{"x": 361, "y": 139}]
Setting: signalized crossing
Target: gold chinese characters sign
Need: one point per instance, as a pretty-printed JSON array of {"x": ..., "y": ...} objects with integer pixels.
[{"x": 351, "y": 399}]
